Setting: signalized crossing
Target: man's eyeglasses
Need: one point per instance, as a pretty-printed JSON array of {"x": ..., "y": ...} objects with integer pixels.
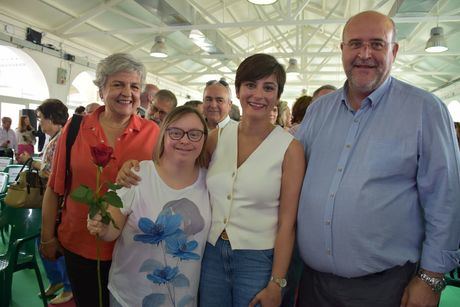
[
  {"x": 211, "y": 82},
  {"x": 193, "y": 135},
  {"x": 377, "y": 45}
]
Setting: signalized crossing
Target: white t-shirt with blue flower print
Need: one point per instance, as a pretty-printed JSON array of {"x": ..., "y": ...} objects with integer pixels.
[{"x": 157, "y": 258}]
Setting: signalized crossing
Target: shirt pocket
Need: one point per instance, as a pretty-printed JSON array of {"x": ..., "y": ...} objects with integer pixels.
[{"x": 390, "y": 158}]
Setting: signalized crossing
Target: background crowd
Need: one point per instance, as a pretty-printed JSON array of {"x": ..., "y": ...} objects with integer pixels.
[{"x": 350, "y": 198}]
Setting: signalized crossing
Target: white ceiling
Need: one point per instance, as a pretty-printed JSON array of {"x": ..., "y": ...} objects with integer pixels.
[{"x": 307, "y": 30}]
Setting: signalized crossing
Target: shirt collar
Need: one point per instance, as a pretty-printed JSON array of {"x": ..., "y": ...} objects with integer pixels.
[
  {"x": 93, "y": 120},
  {"x": 223, "y": 122},
  {"x": 373, "y": 98}
]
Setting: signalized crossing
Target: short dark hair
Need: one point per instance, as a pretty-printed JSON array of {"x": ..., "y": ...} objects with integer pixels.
[
  {"x": 54, "y": 110},
  {"x": 80, "y": 110},
  {"x": 299, "y": 108},
  {"x": 166, "y": 95},
  {"x": 324, "y": 87},
  {"x": 258, "y": 66}
]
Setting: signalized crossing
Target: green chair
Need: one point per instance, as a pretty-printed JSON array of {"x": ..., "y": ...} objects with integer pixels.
[
  {"x": 13, "y": 170},
  {"x": 4, "y": 162},
  {"x": 21, "y": 253},
  {"x": 3, "y": 189}
]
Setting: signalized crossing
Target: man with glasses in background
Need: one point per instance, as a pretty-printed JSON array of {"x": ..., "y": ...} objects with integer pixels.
[
  {"x": 164, "y": 101},
  {"x": 379, "y": 215},
  {"x": 217, "y": 102}
]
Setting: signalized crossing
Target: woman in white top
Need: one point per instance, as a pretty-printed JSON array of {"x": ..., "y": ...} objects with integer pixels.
[
  {"x": 164, "y": 222},
  {"x": 254, "y": 180}
]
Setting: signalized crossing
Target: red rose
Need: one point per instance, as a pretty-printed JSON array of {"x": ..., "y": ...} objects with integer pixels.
[{"x": 101, "y": 154}]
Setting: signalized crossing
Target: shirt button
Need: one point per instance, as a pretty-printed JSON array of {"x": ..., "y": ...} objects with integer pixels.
[
  {"x": 348, "y": 146},
  {"x": 233, "y": 174},
  {"x": 225, "y": 220},
  {"x": 356, "y": 120},
  {"x": 130, "y": 130},
  {"x": 331, "y": 195},
  {"x": 328, "y": 222},
  {"x": 328, "y": 252},
  {"x": 102, "y": 141},
  {"x": 119, "y": 139},
  {"x": 339, "y": 169},
  {"x": 229, "y": 196}
]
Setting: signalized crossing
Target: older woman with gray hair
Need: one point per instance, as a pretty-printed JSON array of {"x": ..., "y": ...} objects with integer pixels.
[{"x": 119, "y": 78}]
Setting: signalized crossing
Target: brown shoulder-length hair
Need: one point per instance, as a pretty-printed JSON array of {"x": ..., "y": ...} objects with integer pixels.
[
  {"x": 300, "y": 107},
  {"x": 22, "y": 127},
  {"x": 172, "y": 117}
]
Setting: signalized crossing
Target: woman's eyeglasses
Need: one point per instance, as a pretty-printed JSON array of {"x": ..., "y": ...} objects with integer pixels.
[{"x": 193, "y": 135}]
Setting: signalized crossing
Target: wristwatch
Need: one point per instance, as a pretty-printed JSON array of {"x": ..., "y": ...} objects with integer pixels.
[
  {"x": 279, "y": 281},
  {"x": 437, "y": 284}
]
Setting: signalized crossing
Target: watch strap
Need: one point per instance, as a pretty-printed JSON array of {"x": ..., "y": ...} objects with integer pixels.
[{"x": 437, "y": 284}]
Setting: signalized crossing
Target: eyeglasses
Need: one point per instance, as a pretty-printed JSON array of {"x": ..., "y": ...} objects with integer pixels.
[
  {"x": 211, "y": 82},
  {"x": 377, "y": 45},
  {"x": 193, "y": 135}
]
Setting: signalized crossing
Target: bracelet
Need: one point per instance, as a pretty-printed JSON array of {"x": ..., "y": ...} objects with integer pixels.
[{"x": 48, "y": 242}]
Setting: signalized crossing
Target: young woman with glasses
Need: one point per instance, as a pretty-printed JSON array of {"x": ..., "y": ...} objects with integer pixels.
[{"x": 164, "y": 222}]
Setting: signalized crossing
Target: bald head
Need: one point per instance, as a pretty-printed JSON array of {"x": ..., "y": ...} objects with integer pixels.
[
  {"x": 372, "y": 16},
  {"x": 368, "y": 53},
  {"x": 147, "y": 95}
]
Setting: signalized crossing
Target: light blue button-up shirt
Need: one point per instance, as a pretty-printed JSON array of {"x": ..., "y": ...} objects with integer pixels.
[{"x": 382, "y": 185}]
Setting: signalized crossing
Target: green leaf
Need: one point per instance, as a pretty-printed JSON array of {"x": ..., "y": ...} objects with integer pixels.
[
  {"x": 80, "y": 194},
  {"x": 113, "y": 186},
  {"x": 112, "y": 198},
  {"x": 93, "y": 210},
  {"x": 106, "y": 219}
]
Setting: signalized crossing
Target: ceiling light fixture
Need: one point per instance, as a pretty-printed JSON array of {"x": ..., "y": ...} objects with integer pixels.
[
  {"x": 436, "y": 42},
  {"x": 293, "y": 67},
  {"x": 262, "y": 2},
  {"x": 159, "y": 48}
]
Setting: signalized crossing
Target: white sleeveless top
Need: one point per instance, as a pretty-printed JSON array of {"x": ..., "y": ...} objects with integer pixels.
[
  {"x": 245, "y": 200},
  {"x": 157, "y": 258}
]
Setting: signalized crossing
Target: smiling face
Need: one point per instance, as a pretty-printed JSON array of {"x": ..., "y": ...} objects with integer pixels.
[
  {"x": 367, "y": 68},
  {"x": 184, "y": 150},
  {"x": 258, "y": 98},
  {"x": 121, "y": 93},
  {"x": 216, "y": 103}
]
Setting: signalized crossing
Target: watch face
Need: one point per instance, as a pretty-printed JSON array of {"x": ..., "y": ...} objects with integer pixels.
[
  {"x": 282, "y": 282},
  {"x": 440, "y": 285}
]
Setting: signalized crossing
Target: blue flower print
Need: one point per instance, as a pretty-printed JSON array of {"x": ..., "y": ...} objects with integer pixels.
[
  {"x": 177, "y": 246},
  {"x": 166, "y": 225},
  {"x": 163, "y": 275}
]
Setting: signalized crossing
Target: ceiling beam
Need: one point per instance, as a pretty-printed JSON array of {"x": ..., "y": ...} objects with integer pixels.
[{"x": 255, "y": 24}]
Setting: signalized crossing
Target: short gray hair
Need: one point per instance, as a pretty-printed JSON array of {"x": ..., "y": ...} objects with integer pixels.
[{"x": 115, "y": 63}]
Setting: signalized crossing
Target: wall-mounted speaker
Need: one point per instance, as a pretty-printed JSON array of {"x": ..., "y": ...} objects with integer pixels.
[{"x": 34, "y": 36}]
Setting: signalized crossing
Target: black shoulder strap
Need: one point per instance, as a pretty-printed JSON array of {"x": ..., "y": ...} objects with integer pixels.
[{"x": 74, "y": 127}]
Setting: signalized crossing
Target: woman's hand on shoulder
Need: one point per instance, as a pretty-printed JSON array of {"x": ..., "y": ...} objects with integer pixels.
[{"x": 126, "y": 177}]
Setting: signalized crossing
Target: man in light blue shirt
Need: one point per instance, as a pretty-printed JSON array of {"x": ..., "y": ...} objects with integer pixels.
[{"x": 382, "y": 188}]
